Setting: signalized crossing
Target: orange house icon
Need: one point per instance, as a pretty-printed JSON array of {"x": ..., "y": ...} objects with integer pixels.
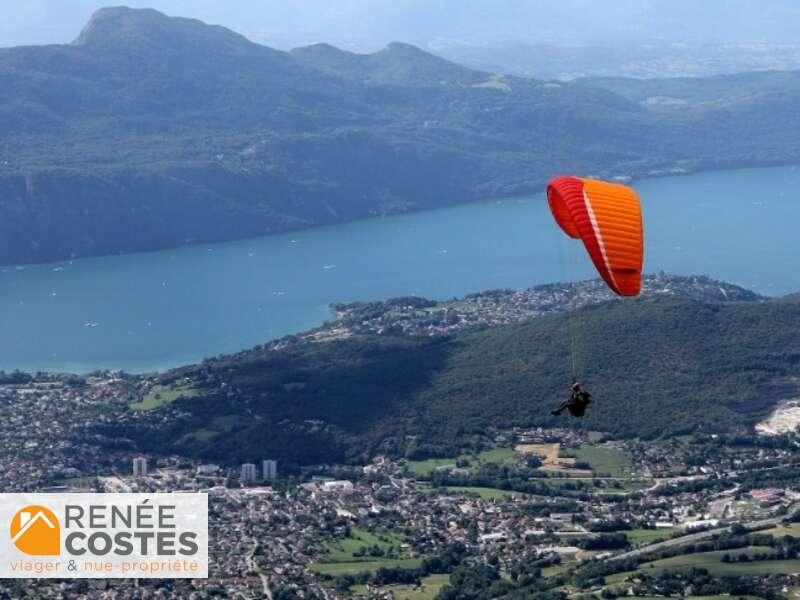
[{"x": 35, "y": 530}]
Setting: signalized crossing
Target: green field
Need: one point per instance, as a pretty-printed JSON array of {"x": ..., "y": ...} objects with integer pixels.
[
  {"x": 603, "y": 459},
  {"x": 712, "y": 562},
  {"x": 160, "y": 395},
  {"x": 343, "y": 568},
  {"x": 343, "y": 550},
  {"x": 497, "y": 456},
  {"x": 556, "y": 569},
  {"x": 485, "y": 493},
  {"x": 341, "y": 556},
  {"x": 642, "y": 537},
  {"x": 423, "y": 468},
  {"x": 200, "y": 435},
  {"x": 427, "y": 591},
  {"x": 792, "y": 529}
]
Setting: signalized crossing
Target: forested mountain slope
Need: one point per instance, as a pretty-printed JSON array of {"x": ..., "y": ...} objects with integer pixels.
[
  {"x": 150, "y": 131},
  {"x": 657, "y": 366}
]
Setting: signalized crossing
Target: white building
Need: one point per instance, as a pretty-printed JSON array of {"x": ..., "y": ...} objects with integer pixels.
[
  {"x": 689, "y": 525},
  {"x": 248, "y": 472},
  {"x": 140, "y": 466},
  {"x": 269, "y": 470},
  {"x": 207, "y": 469},
  {"x": 341, "y": 486}
]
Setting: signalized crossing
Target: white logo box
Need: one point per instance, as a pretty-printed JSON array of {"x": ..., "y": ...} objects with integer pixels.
[{"x": 71, "y": 535}]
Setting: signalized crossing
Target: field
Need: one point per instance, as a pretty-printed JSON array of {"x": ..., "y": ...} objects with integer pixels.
[
  {"x": 344, "y": 568},
  {"x": 712, "y": 562},
  {"x": 423, "y": 468},
  {"x": 783, "y": 530},
  {"x": 557, "y": 569},
  {"x": 551, "y": 460},
  {"x": 343, "y": 555},
  {"x": 604, "y": 459},
  {"x": 200, "y": 435},
  {"x": 642, "y": 537},
  {"x": 160, "y": 395},
  {"x": 427, "y": 591},
  {"x": 485, "y": 493},
  {"x": 343, "y": 550},
  {"x": 497, "y": 456}
]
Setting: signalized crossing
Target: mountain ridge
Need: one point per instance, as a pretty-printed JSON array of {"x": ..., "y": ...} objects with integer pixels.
[{"x": 155, "y": 131}]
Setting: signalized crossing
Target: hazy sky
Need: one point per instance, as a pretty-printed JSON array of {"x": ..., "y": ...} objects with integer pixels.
[{"x": 370, "y": 24}]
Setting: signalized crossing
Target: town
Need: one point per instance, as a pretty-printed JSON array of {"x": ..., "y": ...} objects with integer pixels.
[
  {"x": 547, "y": 502},
  {"x": 416, "y": 316}
]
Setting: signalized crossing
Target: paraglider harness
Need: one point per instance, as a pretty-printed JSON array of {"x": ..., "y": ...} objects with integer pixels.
[{"x": 578, "y": 401}]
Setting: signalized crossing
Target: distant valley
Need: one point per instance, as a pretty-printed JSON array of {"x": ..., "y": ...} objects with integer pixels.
[{"x": 152, "y": 132}]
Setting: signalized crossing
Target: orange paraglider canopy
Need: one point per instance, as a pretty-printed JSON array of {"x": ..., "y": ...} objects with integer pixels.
[{"x": 607, "y": 217}]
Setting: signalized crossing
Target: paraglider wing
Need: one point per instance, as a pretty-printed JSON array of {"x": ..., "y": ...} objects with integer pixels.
[{"x": 607, "y": 217}]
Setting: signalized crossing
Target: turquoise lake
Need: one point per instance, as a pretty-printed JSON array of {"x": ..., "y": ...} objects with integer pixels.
[{"x": 155, "y": 310}]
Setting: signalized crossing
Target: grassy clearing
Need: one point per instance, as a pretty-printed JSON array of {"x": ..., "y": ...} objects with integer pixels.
[
  {"x": 713, "y": 563},
  {"x": 227, "y": 422},
  {"x": 428, "y": 589},
  {"x": 792, "y": 529},
  {"x": 218, "y": 425},
  {"x": 344, "y": 568},
  {"x": 485, "y": 493},
  {"x": 642, "y": 537},
  {"x": 556, "y": 569},
  {"x": 159, "y": 395},
  {"x": 200, "y": 435},
  {"x": 604, "y": 459},
  {"x": 344, "y": 550},
  {"x": 424, "y": 468},
  {"x": 551, "y": 458},
  {"x": 497, "y": 456}
]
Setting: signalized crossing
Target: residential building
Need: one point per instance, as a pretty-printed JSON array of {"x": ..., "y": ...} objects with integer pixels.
[
  {"x": 140, "y": 466},
  {"x": 248, "y": 473},
  {"x": 269, "y": 470}
]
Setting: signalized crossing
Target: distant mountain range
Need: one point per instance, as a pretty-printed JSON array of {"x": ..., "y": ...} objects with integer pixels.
[
  {"x": 660, "y": 365},
  {"x": 150, "y": 131},
  {"x": 612, "y": 58},
  {"x": 368, "y": 24}
]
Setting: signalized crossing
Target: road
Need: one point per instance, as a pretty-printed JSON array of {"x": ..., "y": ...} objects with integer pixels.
[
  {"x": 251, "y": 564},
  {"x": 701, "y": 535}
]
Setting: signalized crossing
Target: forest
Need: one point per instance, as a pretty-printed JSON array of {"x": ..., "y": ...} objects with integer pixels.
[{"x": 656, "y": 366}]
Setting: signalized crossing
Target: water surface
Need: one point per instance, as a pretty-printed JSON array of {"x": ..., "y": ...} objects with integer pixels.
[{"x": 161, "y": 309}]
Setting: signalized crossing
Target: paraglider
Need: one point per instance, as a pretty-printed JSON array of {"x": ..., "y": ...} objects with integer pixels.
[
  {"x": 578, "y": 402},
  {"x": 607, "y": 218}
]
